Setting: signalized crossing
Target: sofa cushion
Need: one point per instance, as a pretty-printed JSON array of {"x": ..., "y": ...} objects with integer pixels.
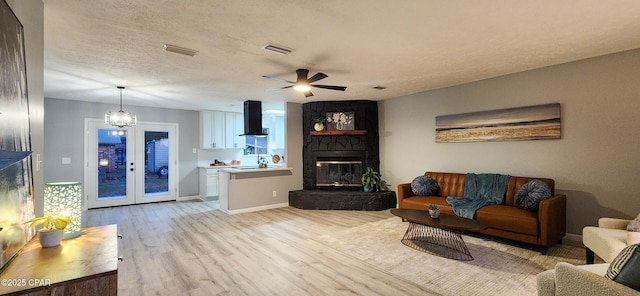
[
  {"x": 508, "y": 218},
  {"x": 634, "y": 225},
  {"x": 423, "y": 202},
  {"x": 424, "y": 186},
  {"x": 625, "y": 268},
  {"x": 531, "y": 194}
]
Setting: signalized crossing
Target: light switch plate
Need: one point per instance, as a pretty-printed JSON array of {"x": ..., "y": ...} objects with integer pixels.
[{"x": 66, "y": 160}]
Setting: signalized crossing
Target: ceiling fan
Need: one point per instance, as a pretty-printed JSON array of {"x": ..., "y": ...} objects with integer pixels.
[{"x": 303, "y": 83}]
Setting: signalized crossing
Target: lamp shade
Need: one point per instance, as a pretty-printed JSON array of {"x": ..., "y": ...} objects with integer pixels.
[{"x": 65, "y": 198}]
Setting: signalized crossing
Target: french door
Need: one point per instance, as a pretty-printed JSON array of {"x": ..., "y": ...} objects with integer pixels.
[{"x": 132, "y": 165}]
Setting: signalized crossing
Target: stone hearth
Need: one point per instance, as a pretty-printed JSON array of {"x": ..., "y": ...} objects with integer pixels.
[{"x": 342, "y": 200}]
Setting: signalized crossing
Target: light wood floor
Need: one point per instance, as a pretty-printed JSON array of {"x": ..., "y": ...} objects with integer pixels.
[{"x": 191, "y": 248}]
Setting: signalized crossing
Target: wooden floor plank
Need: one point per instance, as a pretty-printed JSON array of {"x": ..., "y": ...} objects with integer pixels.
[{"x": 192, "y": 248}]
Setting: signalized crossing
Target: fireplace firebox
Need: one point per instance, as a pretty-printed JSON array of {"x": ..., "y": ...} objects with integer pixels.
[
  {"x": 339, "y": 173},
  {"x": 341, "y": 170}
]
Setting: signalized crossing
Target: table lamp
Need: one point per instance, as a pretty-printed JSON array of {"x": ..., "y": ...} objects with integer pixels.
[{"x": 65, "y": 198}]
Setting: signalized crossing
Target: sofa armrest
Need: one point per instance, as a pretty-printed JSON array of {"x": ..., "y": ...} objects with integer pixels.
[
  {"x": 613, "y": 223},
  {"x": 571, "y": 280},
  {"x": 404, "y": 191},
  {"x": 552, "y": 216},
  {"x": 633, "y": 238}
]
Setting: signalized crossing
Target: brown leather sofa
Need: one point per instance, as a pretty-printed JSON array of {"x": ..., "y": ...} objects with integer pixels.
[{"x": 544, "y": 228}]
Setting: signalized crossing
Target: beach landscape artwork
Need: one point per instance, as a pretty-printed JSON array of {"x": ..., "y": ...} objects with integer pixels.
[{"x": 540, "y": 122}]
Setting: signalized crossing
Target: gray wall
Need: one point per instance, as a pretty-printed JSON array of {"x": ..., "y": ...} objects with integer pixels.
[
  {"x": 293, "y": 138},
  {"x": 596, "y": 163},
  {"x": 31, "y": 15},
  {"x": 64, "y": 137}
]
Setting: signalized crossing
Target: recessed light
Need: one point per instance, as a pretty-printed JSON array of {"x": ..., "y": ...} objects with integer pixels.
[
  {"x": 179, "y": 50},
  {"x": 277, "y": 49}
]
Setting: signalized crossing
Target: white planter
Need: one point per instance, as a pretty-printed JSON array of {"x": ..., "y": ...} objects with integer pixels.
[
  {"x": 318, "y": 127},
  {"x": 50, "y": 238},
  {"x": 435, "y": 214}
]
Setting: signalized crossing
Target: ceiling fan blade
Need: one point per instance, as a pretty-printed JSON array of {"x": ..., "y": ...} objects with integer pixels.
[
  {"x": 278, "y": 88},
  {"x": 317, "y": 77},
  {"x": 308, "y": 94},
  {"x": 332, "y": 87},
  {"x": 278, "y": 79}
]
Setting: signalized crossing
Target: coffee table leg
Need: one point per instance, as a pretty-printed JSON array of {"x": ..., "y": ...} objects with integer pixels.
[{"x": 437, "y": 241}]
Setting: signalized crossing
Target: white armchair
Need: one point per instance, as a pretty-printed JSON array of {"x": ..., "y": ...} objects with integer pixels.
[
  {"x": 570, "y": 280},
  {"x": 608, "y": 239}
]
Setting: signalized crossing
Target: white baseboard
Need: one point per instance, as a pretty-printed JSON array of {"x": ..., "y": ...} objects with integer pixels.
[
  {"x": 255, "y": 209},
  {"x": 192, "y": 197}
]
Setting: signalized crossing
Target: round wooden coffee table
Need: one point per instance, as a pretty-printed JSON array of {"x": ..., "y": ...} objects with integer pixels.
[{"x": 441, "y": 236}]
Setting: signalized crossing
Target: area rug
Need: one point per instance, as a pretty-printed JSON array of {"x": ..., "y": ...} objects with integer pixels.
[{"x": 501, "y": 267}]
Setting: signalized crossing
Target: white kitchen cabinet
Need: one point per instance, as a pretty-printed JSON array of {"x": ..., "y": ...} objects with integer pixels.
[
  {"x": 208, "y": 183},
  {"x": 234, "y": 126},
  {"x": 212, "y": 129}
]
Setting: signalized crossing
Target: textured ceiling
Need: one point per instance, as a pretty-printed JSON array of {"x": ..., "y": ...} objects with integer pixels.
[{"x": 406, "y": 46}]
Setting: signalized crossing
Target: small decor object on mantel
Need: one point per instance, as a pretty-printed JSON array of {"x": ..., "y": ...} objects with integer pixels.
[
  {"x": 340, "y": 121},
  {"x": 318, "y": 124},
  {"x": 434, "y": 211},
  {"x": 52, "y": 229}
]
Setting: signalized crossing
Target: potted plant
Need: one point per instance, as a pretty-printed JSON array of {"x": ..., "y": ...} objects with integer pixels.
[
  {"x": 52, "y": 229},
  {"x": 318, "y": 124},
  {"x": 370, "y": 180},
  {"x": 434, "y": 211}
]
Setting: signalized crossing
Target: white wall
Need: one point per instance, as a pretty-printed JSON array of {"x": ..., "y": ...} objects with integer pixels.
[
  {"x": 31, "y": 15},
  {"x": 64, "y": 137},
  {"x": 596, "y": 163}
]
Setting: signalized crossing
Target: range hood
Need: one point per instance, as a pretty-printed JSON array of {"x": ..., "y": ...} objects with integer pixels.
[{"x": 253, "y": 119}]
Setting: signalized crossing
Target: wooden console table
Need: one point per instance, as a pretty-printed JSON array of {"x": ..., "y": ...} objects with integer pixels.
[{"x": 85, "y": 265}]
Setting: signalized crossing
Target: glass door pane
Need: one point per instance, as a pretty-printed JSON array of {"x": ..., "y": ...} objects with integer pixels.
[
  {"x": 156, "y": 179},
  {"x": 112, "y": 157}
]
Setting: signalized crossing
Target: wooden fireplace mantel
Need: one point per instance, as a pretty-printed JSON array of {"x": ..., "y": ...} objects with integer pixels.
[{"x": 339, "y": 133}]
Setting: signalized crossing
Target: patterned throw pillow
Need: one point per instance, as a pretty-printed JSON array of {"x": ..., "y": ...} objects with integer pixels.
[
  {"x": 424, "y": 186},
  {"x": 634, "y": 225},
  {"x": 531, "y": 194},
  {"x": 625, "y": 268}
]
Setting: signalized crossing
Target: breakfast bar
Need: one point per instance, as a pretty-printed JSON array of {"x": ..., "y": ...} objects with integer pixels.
[{"x": 248, "y": 189}]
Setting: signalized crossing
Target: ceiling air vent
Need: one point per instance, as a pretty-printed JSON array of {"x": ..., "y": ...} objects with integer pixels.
[
  {"x": 379, "y": 87},
  {"x": 180, "y": 50},
  {"x": 277, "y": 49}
]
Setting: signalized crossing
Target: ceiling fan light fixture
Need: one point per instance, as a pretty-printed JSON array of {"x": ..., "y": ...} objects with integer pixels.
[
  {"x": 302, "y": 87},
  {"x": 277, "y": 49},
  {"x": 179, "y": 50}
]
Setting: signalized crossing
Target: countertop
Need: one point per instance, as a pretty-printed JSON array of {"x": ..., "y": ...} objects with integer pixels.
[
  {"x": 245, "y": 168},
  {"x": 249, "y": 169}
]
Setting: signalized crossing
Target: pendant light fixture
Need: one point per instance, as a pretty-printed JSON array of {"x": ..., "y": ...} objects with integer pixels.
[{"x": 120, "y": 118}]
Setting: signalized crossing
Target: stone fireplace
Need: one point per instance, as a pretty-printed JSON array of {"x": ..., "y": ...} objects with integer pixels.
[
  {"x": 362, "y": 143},
  {"x": 333, "y": 161}
]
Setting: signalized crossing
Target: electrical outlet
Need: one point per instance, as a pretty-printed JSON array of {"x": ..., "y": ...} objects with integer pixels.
[{"x": 275, "y": 193}]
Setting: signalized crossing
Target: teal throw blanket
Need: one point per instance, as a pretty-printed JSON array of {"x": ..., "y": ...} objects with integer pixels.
[{"x": 479, "y": 190}]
